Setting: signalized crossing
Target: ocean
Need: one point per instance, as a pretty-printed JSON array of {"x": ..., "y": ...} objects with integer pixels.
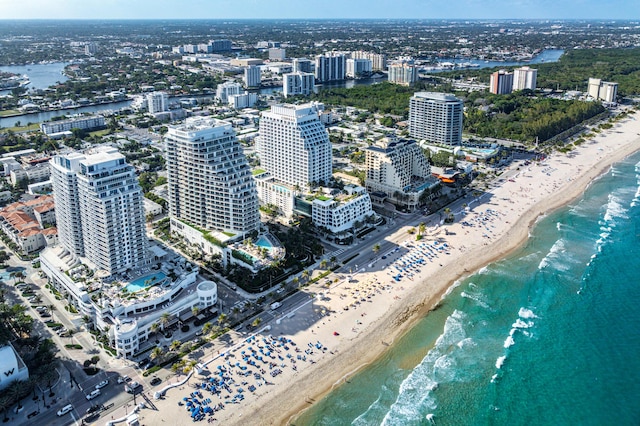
[{"x": 549, "y": 335}]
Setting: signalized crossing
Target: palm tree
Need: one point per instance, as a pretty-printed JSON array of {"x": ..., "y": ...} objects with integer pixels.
[
  {"x": 421, "y": 228},
  {"x": 154, "y": 328},
  {"x": 156, "y": 353},
  {"x": 195, "y": 311},
  {"x": 5, "y": 404},
  {"x": 376, "y": 248},
  {"x": 175, "y": 345},
  {"x": 19, "y": 275},
  {"x": 295, "y": 281},
  {"x": 164, "y": 320},
  {"x": 206, "y": 328},
  {"x": 333, "y": 260},
  {"x": 18, "y": 389},
  {"x": 236, "y": 311},
  {"x": 256, "y": 322},
  {"x": 222, "y": 318},
  {"x": 323, "y": 263},
  {"x": 305, "y": 274}
]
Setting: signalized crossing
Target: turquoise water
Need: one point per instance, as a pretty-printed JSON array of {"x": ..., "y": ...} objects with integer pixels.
[
  {"x": 549, "y": 336},
  {"x": 140, "y": 283},
  {"x": 264, "y": 243}
]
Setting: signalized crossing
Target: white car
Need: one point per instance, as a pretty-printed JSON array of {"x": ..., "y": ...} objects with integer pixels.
[
  {"x": 102, "y": 384},
  {"x": 64, "y": 410},
  {"x": 94, "y": 393}
]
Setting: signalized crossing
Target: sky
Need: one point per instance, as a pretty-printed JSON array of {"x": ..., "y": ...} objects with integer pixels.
[{"x": 321, "y": 9}]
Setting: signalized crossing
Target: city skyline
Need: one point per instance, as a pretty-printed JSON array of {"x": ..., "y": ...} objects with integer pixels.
[{"x": 332, "y": 9}]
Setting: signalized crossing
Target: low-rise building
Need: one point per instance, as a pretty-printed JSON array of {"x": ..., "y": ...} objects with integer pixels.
[
  {"x": 83, "y": 123},
  {"x": 340, "y": 212},
  {"x": 29, "y": 224}
]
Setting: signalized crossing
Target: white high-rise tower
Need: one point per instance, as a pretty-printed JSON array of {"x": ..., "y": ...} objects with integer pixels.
[
  {"x": 101, "y": 209},
  {"x": 294, "y": 146},
  {"x": 209, "y": 179}
]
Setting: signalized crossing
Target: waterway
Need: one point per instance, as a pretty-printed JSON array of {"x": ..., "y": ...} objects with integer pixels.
[{"x": 45, "y": 75}]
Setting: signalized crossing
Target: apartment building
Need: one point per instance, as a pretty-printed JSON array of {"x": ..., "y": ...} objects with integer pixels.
[
  {"x": 524, "y": 78},
  {"x": 209, "y": 180},
  {"x": 84, "y": 123},
  {"x": 297, "y": 83},
  {"x": 252, "y": 76},
  {"x": 404, "y": 73},
  {"x": 436, "y": 118},
  {"x": 330, "y": 67},
  {"x": 501, "y": 82}
]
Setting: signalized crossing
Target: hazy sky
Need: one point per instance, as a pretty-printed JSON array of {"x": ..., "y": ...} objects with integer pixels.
[{"x": 291, "y": 9}]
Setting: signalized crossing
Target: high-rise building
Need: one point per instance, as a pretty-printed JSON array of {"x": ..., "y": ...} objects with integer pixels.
[
  {"x": 602, "y": 90},
  {"x": 90, "y": 49},
  {"x": 436, "y": 118},
  {"x": 404, "y": 73},
  {"x": 297, "y": 83},
  {"x": 378, "y": 60},
  {"x": 157, "y": 102},
  {"x": 358, "y": 67},
  {"x": 100, "y": 209},
  {"x": 229, "y": 88},
  {"x": 277, "y": 54},
  {"x": 302, "y": 65},
  {"x": 399, "y": 171},
  {"x": 330, "y": 67},
  {"x": 209, "y": 179},
  {"x": 223, "y": 45},
  {"x": 251, "y": 76},
  {"x": 294, "y": 146},
  {"x": 524, "y": 78},
  {"x": 501, "y": 82}
]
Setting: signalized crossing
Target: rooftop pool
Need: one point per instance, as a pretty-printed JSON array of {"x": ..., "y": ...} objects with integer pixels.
[
  {"x": 264, "y": 243},
  {"x": 145, "y": 281}
]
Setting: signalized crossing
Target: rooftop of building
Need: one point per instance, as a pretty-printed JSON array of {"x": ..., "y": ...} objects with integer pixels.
[{"x": 436, "y": 96}]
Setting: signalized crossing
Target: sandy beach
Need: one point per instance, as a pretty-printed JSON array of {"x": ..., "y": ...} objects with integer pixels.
[{"x": 268, "y": 379}]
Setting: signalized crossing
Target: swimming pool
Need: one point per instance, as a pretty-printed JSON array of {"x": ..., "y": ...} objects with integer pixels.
[
  {"x": 145, "y": 281},
  {"x": 264, "y": 243}
]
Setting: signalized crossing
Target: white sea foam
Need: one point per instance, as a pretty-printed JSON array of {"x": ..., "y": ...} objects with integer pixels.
[
  {"x": 522, "y": 324},
  {"x": 438, "y": 366},
  {"x": 509, "y": 341},
  {"x": 526, "y": 313},
  {"x": 615, "y": 210},
  {"x": 500, "y": 361},
  {"x": 476, "y": 298}
]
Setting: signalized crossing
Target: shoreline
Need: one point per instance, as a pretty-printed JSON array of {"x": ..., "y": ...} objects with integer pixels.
[
  {"x": 536, "y": 212},
  {"x": 384, "y": 308}
]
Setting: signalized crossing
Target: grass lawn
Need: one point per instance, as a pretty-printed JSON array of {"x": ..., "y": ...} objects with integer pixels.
[
  {"x": 9, "y": 112},
  {"x": 29, "y": 128},
  {"x": 100, "y": 133}
]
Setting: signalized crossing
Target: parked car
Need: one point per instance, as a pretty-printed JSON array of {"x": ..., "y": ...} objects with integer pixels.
[
  {"x": 64, "y": 410},
  {"x": 155, "y": 381},
  {"x": 94, "y": 408},
  {"x": 102, "y": 384}
]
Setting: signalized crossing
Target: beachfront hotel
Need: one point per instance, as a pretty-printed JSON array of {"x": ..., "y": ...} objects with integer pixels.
[
  {"x": 294, "y": 146},
  {"x": 105, "y": 267},
  {"x": 436, "y": 118},
  {"x": 398, "y": 172},
  {"x": 404, "y": 73}
]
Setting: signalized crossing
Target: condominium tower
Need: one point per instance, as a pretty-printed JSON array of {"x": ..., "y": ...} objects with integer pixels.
[
  {"x": 404, "y": 73},
  {"x": 436, "y": 118},
  {"x": 501, "y": 82},
  {"x": 330, "y": 67},
  {"x": 297, "y": 83},
  {"x": 209, "y": 180},
  {"x": 294, "y": 146},
  {"x": 524, "y": 78},
  {"x": 252, "y": 76},
  {"x": 99, "y": 209}
]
